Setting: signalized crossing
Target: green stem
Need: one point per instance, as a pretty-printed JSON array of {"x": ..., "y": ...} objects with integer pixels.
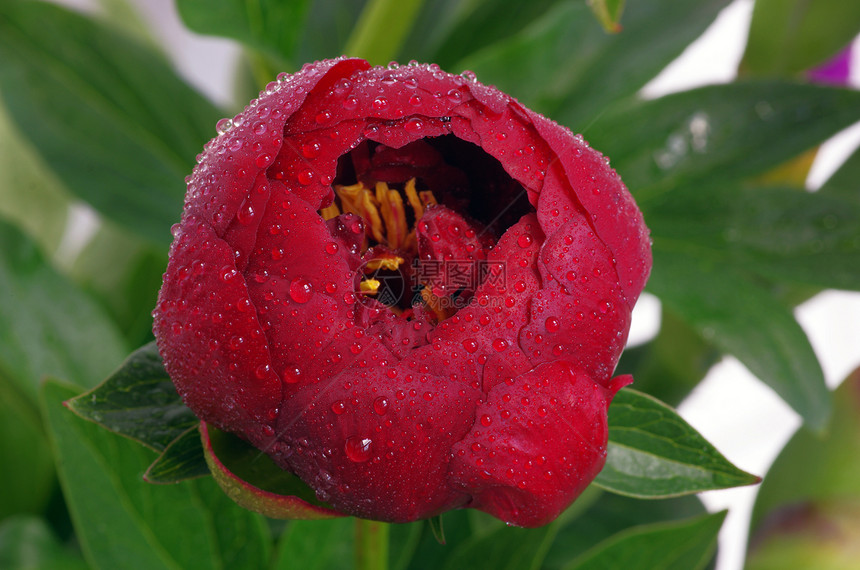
[
  {"x": 381, "y": 29},
  {"x": 371, "y": 545}
]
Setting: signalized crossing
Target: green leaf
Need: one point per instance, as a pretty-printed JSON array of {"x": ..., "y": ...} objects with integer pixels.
[
  {"x": 328, "y": 26},
  {"x": 316, "y": 545},
  {"x": 745, "y": 320},
  {"x": 608, "y": 13},
  {"x": 27, "y": 543},
  {"x": 30, "y": 196},
  {"x": 107, "y": 114},
  {"x": 844, "y": 182},
  {"x": 47, "y": 326},
  {"x": 138, "y": 401},
  {"x": 684, "y": 545},
  {"x": 505, "y": 549},
  {"x": 718, "y": 133},
  {"x": 609, "y": 515},
  {"x": 789, "y": 36},
  {"x": 460, "y": 28},
  {"x": 564, "y": 65},
  {"x": 125, "y": 273},
  {"x": 273, "y": 26},
  {"x": 182, "y": 459},
  {"x": 119, "y": 518},
  {"x": 654, "y": 453},
  {"x": 380, "y": 30},
  {"x": 781, "y": 233},
  {"x": 27, "y": 477}
]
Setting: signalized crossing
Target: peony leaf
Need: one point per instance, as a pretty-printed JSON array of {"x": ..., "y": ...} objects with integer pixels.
[
  {"x": 718, "y": 133},
  {"x": 566, "y": 66},
  {"x": 138, "y": 401},
  {"x": 608, "y": 13},
  {"x": 790, "y": 36},
  {"x": 106, "y": 113},
  {"x": 683, "y": 545},
  {"x": 118, "y": 517},
  {"x": 781, "y": 233},
  {"x": 320, "y": 544},
  {"x": 47, "y": 325},
  {"x": 268, "y": 25},
  {"x": 182, "y": 459},
  {"x": 844, "y": 181},
  {"x": 654, "y": 453},
  {"x": 743, "y": 319}
]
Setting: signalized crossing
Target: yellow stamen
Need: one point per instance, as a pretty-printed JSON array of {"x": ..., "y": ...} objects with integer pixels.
[
  {"x": 414, "y": 201},
  {"x": 391, "y": 207},
  {"x": 390, "y": 263},
  {"x": 369, "y": 286}
]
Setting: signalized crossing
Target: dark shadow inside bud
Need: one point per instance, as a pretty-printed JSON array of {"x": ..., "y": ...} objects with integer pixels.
[{"x": 431, "y": 211}]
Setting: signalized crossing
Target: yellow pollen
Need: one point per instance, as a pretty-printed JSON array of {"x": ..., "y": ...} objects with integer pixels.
[
  {"x": 390, "y": 263},
  {"x": 391, "y": 205},
  {"x": 369, "y": 286}
]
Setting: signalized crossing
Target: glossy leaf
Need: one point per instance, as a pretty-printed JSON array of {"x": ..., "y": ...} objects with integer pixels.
[
  {"x": 654, "y": 453},
  {"x": 505, "y": 549},
  {"x": 564, "y": 65},
  {"x": 717, "y": 133},
  {"x": 47, "y": 326},
  {"x": 107, "y": 114},
  {"x": 684, "y": 545},
  {"x": 139, "y": 401},
  {"x": 118, "y": 517},
  {"x": 27, "y": 543},
  {"x": 269, "y": 25},
  {"x": 789, "y": 36},
  {"x": 781, "y": 233},
  {"x": 745, "y": 320},
  {"x": 182, "y": 459}
]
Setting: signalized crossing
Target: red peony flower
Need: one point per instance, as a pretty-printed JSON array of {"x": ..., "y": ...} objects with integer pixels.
[{"x": 407, "y": 289}]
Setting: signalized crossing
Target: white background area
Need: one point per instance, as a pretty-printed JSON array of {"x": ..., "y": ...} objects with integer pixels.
[{"x": 743, "y": 418}]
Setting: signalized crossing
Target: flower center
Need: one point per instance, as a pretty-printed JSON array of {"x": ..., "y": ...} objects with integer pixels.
[{"x": 408, "y": 217}]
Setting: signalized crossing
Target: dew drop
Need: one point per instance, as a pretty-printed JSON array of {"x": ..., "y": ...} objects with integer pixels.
[
  {"x": 470, "y": 344},
  {"x": 338, "y": 407},
  {"x": 380, "y": 405},
  {"x": 311, "y": 150},
  {"x": 486, "y": 420},
  {"x": 524, "y": 240},
  {"x": 223, "y": 126},
  {"x": 301, "y": 290},
  {"x": 292, "y": 374},
  {"x": 358, "y": 449},
  {"x": 552, "y": 324},
  {"x": 500, "y": 344},
  {"x": 380, "y": 104},
  {"x": 331, "y": 248}
]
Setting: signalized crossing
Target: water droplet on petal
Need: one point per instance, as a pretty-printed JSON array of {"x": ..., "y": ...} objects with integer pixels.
[
  {"x": 380, "y": 405},
  {"x": 301, "y": 290},
  {"x": 358, "y": 449}
]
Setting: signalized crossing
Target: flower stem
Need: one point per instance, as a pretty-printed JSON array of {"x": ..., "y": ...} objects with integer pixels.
[
  {"x": 381, "y": 29},
  {"x": 371, "y": 545}
]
